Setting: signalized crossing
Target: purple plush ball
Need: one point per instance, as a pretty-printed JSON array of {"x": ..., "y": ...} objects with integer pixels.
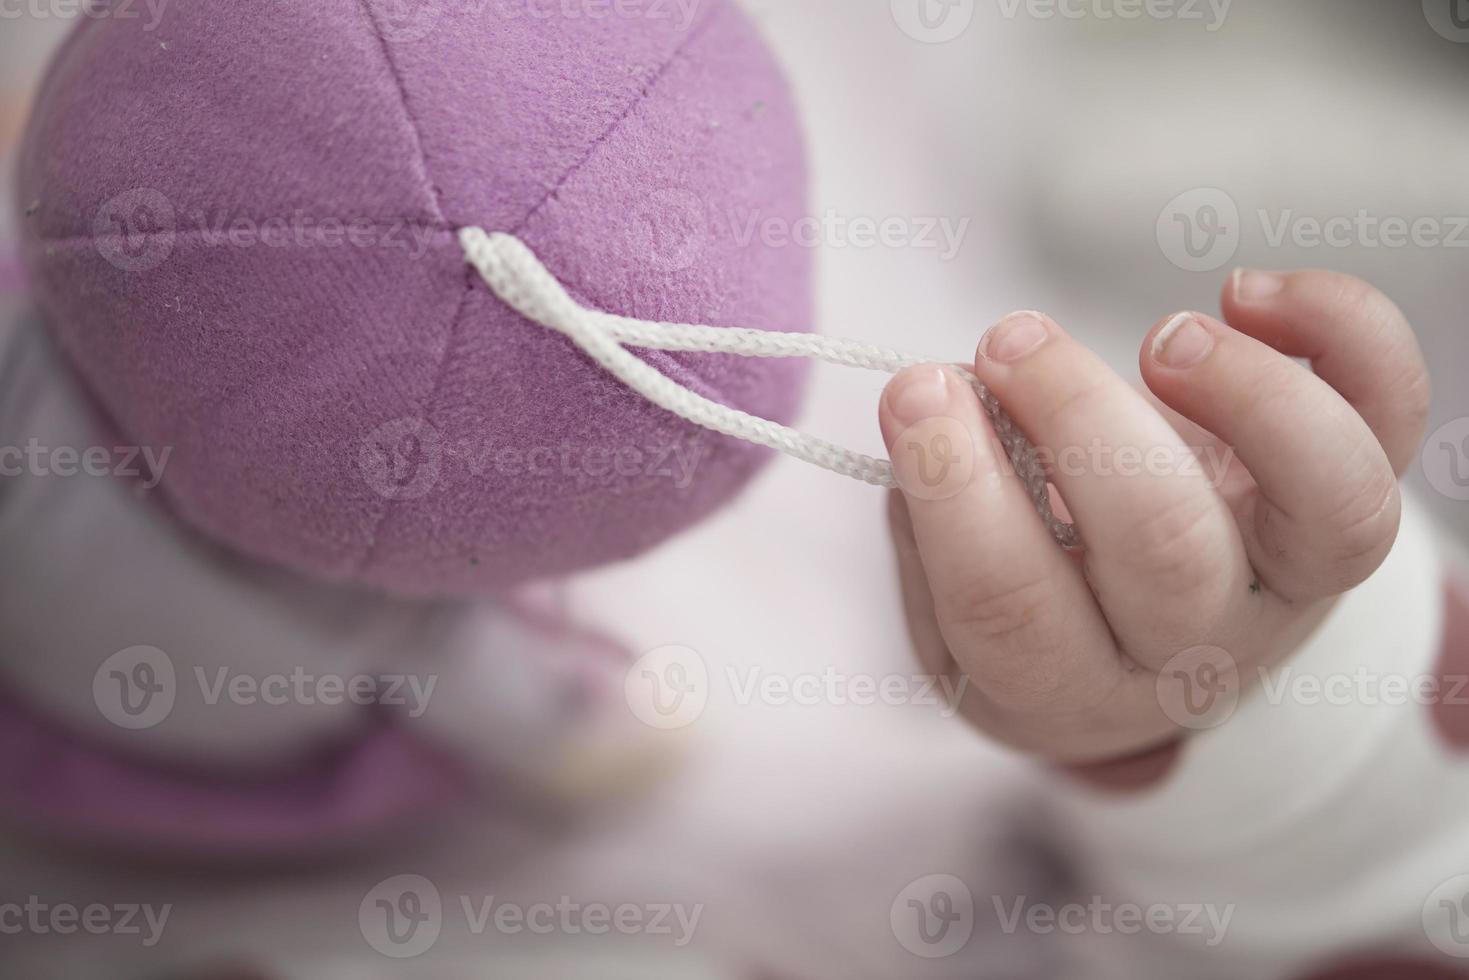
[{"x": 241, "y": 225}]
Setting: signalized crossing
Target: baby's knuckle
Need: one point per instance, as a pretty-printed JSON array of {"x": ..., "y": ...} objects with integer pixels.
[
  {"x": 1360, "y": 534},
  {"x": 1076, "y": 399},
  {"x": 1173, "y": 546},
  {"x": 1355, "y": 298},
  {"x": 1270, "y": 394},
  {"x": 1414, "y": 396},
  {"x": 1018, "y": 610},
  {"x": 1027, "y": 686}
]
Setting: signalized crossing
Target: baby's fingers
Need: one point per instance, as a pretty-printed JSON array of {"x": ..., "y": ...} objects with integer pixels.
[
  {"x": 1163, "y": 554},
  {"x": 1012, "y": 607},
  {"x": 918, "y": 608},
  {"x": 1356, "y": 339},
  {"x": 1327, "y": 508}
]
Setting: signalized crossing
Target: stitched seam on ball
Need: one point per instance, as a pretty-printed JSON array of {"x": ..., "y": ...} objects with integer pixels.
[
  {"x": 642, "y": 97},
  {"x": 203, "y": 234},
  {"x": 435, "y": 195},
  {"x": 664, "y": 361},
  {"x": 426, "y": 404},
  {"x": 369, "y": 553}
]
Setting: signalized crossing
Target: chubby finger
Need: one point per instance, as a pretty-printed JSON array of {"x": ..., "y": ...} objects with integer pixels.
[
  {"x": 1357, "y": 340},
  {"x": 1082, "y": 732},
  {"x": 923, "y": 625},
  {"x": 1013, "y": 609},
  {"x": 1163, "y": 553},
  {"x": 1326, "y": 511}
]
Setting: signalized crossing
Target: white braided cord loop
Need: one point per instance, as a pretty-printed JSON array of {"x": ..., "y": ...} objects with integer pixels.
[{"x": 519, "y": 279}]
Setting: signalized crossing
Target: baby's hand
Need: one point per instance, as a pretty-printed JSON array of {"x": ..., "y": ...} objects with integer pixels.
[{"x": 1215, "y": 560}]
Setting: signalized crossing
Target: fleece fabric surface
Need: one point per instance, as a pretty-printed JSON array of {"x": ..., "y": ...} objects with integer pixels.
[
  {"x": 241, "y": 225},
  {"x": 161, "y": 693}
]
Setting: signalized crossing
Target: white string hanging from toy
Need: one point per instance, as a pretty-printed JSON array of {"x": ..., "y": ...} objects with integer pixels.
[{"x": 519, "y": 279}]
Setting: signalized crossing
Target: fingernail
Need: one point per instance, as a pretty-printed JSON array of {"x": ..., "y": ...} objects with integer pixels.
[
  {"x": 1182, "y": 343},
  {"x": 1255, "y": 286},
  {"x": 1014, "y": 337},
  {"x": 919, "y": 393}
]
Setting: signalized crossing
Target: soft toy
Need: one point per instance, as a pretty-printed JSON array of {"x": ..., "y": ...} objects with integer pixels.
[{"x": 242, "y": 223}]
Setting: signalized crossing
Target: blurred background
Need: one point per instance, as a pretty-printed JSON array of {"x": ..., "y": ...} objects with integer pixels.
[
  {"x": 1083, "y": 142},
  {"x": 1108, "y": 170}
]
